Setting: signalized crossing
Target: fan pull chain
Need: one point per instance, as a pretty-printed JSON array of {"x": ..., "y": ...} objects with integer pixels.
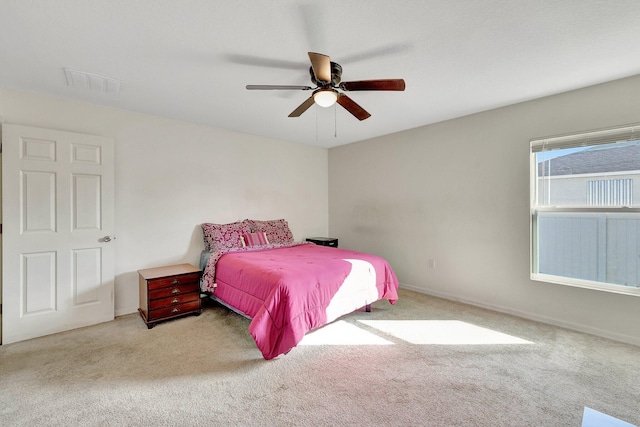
[
  {"x": 316, "y": 109},
  {"x": 335, "y": 121}
]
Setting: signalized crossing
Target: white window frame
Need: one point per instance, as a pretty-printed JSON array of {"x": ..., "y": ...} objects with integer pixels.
[{"x": 603, "y": 136}]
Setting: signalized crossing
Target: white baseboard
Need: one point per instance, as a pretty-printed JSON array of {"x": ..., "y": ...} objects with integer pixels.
[
  {"x": 125, "y": 311},
  {"x": 627, "y": 339}
]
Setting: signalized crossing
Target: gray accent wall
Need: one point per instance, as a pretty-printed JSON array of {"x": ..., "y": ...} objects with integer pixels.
[{"x": 448, "y": 205}]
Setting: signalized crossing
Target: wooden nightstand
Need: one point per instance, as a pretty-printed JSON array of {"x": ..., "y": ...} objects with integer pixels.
[
  {"x": 169, "y": 292},
  {"x": 324, "y": 241}
]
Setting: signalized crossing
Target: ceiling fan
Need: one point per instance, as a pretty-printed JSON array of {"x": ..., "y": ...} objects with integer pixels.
[{"x": 326, "y": 75}]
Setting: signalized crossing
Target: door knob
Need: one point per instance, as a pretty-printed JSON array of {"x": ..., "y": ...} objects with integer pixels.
[{"x": 107, "y": 239}]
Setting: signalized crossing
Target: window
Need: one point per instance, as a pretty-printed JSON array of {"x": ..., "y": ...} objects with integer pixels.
[{"x": 585, "y": 210}]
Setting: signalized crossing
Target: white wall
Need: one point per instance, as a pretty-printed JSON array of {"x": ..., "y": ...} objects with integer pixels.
[
  {"x": 457, "y": 192},
  {"x": 171, "y": 176}
]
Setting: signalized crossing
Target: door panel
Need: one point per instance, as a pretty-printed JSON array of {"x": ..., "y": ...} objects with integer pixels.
[
  {"x": 86, "y": 202},
  {"x": 37, "y": 149},
  {"x": 38, "y": 283},
  {"x": 86, "y": 275},
  {"x": 38, "y": 201},
  {"x": 58, "y": 270}
]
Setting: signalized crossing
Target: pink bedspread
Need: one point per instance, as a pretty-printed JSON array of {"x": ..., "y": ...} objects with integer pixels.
[{"x": 289, "y": 291}]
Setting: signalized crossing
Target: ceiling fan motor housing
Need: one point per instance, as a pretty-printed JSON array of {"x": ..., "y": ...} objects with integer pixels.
[{"x": 336, "y": 76}]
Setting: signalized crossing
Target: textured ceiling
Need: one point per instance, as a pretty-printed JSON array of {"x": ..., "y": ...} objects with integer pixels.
[{"x": 191, "y": 59}]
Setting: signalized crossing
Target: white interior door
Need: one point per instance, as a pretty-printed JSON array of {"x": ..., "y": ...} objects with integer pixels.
[{"x": 58, "y": 267}]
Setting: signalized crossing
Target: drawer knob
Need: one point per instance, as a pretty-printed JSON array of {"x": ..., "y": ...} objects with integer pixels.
[
  {"x": 175, "y": 310},
  {"x": 175, "y": 290},
  {"x": 175, "y": 282},
  {"x": 175, "y": 300}
]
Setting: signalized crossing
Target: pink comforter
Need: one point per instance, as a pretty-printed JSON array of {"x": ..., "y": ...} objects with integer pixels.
[{"x": 289, "y": 291}]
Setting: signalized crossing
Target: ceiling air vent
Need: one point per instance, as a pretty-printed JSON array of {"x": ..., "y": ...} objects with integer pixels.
[{"x": 84, "y": 80}]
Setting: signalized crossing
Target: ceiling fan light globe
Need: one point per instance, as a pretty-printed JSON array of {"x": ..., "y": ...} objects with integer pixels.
[{"x": 325, "y": 98}]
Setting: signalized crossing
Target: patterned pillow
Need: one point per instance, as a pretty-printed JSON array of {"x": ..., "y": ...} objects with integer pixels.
[
  {"x": 224, "y": 236},
  {"x": 277, "y": 230},
  {"x": 254, "y": 239}
]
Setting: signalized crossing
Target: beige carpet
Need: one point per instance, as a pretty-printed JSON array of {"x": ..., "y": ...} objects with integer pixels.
[{"x": 440, "y": 364}]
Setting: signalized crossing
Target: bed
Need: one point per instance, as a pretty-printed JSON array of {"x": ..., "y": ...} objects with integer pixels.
[{"x": 288, "y": 288}]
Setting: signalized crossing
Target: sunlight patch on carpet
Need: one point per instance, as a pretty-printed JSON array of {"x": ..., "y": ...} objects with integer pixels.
[
  {"x": 445, "y": 332},
  {"x": 342, "y": 333}
]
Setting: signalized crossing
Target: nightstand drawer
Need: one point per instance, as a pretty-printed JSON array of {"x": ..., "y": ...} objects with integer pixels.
[
  {"x": 173, "y": 281},
  {"x": 174, "y": 310},
  {"x": 173, "y": 291},
  {"x": 173, "y": 300}
]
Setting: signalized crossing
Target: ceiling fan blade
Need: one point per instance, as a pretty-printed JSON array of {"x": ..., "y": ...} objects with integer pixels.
[
  {"x": 302, "y": 108},
  {"x": 257, "y": 61},
  {"x": 321, "y": 65},
  {"x": 277, "y": 87},
  {"x": 350, "y": 105},
  {"x": 384, "y": 84}
]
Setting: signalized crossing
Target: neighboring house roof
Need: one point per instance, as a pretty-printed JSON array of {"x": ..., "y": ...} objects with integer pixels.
[{"x": 598, "y": 159}]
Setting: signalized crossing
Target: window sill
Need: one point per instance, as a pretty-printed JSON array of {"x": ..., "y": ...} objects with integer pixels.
[{"x": 587, "y": 284}]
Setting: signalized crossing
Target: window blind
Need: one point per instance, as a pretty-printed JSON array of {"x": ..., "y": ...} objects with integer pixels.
[{"x": 586, "y": 139}]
